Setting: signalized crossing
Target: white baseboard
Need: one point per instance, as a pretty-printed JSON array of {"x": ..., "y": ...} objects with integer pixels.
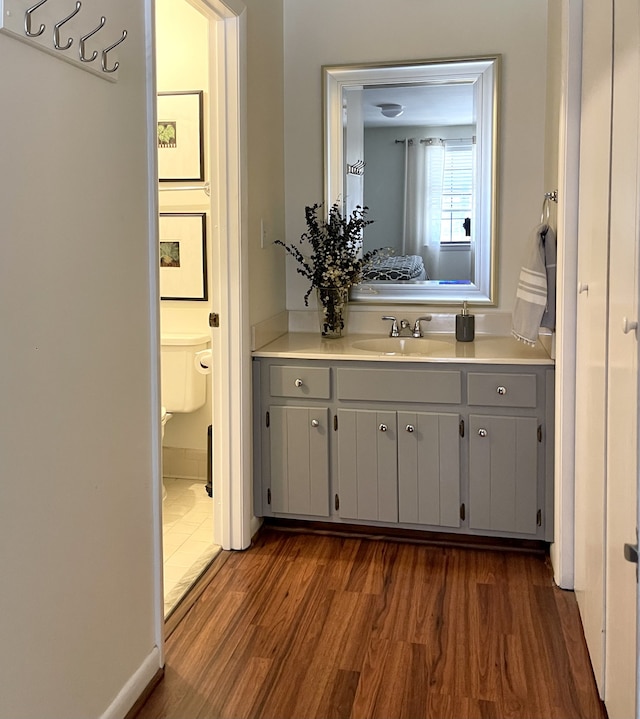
[{"x": 134, "y": 688}]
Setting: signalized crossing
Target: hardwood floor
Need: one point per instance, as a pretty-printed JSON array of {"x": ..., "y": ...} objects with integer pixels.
[{"x": 318, "y": 626}]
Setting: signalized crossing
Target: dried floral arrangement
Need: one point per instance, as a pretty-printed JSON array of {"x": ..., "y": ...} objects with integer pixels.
[{"x": 336, "y": 258}]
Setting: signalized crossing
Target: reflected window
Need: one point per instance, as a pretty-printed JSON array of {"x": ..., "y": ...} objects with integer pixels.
[{"x": 457, "y": 192}]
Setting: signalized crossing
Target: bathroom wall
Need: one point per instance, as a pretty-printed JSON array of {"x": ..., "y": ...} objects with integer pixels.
[
  {"x": 182, "y": 40},
  {"x": 79, "y": 490},
  {"x": 554, "y": 95},
  {"x": 266, "y": 153},
  {"x": 360, "y": 31}
]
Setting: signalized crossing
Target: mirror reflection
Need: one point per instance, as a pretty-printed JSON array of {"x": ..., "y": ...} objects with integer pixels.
[{"x": 416, "y": 144}]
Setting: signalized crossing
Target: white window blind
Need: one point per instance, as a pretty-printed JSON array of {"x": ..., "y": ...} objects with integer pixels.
[{"x": 457, "y": 192}]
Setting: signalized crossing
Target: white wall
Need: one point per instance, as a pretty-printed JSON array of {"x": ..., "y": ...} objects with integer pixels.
[
  {"x": 182, "y": 57},
  {"x": 79, "y": 429},
  {"x": 333, "y": 32}
]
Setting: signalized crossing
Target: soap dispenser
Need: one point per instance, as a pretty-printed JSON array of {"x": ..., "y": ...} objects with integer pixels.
[{"x": 465, "y": 325}]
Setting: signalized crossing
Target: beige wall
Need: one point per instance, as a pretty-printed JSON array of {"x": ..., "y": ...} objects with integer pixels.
[
  {"x": 335, "y": 32},
  {"x": 79, "y": 427},
  {"x": 265, "y": 147},
  {"x": 554, "y": 89}
]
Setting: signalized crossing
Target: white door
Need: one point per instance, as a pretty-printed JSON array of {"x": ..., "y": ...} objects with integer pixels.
[
  {"x": 230, "y": 342},
  {"x": 591, "y": 339},
  {"x": 622, "y": 430},
  {"x": 606, "y": 369}
]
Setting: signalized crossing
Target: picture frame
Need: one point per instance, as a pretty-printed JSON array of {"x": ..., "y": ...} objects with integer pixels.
[
  {"x": 180, "y": 136},
  {"x": 183, "y": 256}
]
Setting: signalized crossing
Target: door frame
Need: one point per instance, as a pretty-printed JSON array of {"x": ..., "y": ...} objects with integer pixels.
[
  {"x": 231, "y": 341},
  {"x": 562, "y": 550},
  {"x": 231, "y": 412}
]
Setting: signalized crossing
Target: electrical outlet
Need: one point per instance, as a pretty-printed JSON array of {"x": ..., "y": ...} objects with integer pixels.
[{"x": 263, "y": 234}]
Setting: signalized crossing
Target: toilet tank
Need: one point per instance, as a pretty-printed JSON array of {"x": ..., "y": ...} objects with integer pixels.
[{"x": 183, "y": 388}]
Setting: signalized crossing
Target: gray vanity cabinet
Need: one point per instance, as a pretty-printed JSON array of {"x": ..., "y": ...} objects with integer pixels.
[
  {"x": 462, "y": 448},
  {"x": 503, "y": 473},
  {"x": 295, "y": 442},
  {"x": 429, "y": 468},
  {"x": 505, "y": 452},
  {"x": 398, "y": 467},
  {"x": 367, "y": 465},
  {"x": 299, "y": 460}
]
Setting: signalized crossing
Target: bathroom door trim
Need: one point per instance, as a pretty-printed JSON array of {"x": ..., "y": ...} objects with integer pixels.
[
  {"x": 231, "y": 371},
  {"x": 562, "y": 551}
]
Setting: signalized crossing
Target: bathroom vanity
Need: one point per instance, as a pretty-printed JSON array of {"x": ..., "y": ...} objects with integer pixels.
[{"x": 442, "y": 437}]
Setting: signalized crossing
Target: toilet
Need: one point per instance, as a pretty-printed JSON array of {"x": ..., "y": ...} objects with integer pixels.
[{"x": 183, "y": 388}]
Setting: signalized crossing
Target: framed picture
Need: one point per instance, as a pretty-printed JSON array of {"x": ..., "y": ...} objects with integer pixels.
[
  {"x": 180, "y": 144},
  {"x": 183, "y": 256}
]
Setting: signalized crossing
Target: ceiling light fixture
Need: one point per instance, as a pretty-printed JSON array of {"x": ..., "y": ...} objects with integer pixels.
[{"x": 391, "y": 109}]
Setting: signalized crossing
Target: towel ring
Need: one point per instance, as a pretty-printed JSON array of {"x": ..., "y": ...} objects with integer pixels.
[{"x": 546, "y": 207}]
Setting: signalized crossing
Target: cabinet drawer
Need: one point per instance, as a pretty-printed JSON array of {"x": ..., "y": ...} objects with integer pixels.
[
  {"x": 501, "y": 389},
  {"x": 288, "y": 381},
  {"x": 395, "y": 385}
]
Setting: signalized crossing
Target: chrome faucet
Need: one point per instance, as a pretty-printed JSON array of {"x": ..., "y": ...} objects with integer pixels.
[
  {"x": 405, "y": 326},
  {"x": 417, "y": 329},
  {"x": 394, "y": 326}
]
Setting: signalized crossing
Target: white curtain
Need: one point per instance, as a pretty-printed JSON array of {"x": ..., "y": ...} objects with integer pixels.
[{"x": 424, "y": 171}]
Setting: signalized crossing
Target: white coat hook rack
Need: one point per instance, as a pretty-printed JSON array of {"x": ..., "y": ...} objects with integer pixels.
[
  {"x": 65, "y": 30},
  {"x": 357, "y": 168}
]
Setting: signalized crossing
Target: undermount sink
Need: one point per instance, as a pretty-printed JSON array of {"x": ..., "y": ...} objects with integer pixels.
[{"x": 401, "y": 345}]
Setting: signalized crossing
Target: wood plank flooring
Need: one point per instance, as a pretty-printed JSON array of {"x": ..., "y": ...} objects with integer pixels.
[{"x": 318, "y": 626}]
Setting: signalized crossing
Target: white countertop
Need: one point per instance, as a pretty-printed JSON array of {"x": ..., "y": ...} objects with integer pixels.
[{"x": 486, "y": 349}]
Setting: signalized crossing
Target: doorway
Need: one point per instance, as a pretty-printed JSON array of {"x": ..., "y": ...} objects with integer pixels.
[
  {"x": 194, "y": 40},
  {"x": 184, "y": 92}
]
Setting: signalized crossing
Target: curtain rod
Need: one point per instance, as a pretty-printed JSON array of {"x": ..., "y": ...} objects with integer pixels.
[{"x": 410, "y": 140}]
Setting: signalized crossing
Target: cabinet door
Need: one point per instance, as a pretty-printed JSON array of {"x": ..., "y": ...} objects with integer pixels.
[
  {"x": 367, "y": 465},
  {"x": 429, "y": 468},
  {"x": 503, "y": 473},
  {"x": 299, "y": 443}
]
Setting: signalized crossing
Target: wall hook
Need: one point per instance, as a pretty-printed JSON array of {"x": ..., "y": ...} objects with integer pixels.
[
  {"x": 27, "y": 20},
  {"x": 116, "y": 64},
  {"x": 58, "y": 25},
  {"x": 84, "y": 38}
]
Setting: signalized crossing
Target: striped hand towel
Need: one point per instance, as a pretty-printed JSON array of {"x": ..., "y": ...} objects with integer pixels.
[{"x": 532, "y": 294}]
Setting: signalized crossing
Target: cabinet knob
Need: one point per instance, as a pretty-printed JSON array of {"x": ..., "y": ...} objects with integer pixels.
[
  {"x": 315, "y": 423},
  {"x": 583, "y": 287},
  {"x": 482, "y": 433},
  {"x": 501, "y": 390},
  {"x": 298, "y": 382},
  {"x": 410, "y": 428},
  {"x": 383, "y": 428}
]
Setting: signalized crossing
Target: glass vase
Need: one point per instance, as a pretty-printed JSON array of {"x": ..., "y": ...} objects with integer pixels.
[{"x": 333, "y": 303}]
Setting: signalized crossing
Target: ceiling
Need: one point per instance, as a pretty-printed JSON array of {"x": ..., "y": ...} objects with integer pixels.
[{"x": 424, "y": 105}]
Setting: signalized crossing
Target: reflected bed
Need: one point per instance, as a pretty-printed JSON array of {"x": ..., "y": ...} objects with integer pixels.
[{"x": 395, "y": 269}]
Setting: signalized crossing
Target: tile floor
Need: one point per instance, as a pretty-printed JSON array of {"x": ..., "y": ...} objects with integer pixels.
[{"x": 187, "y": 523}]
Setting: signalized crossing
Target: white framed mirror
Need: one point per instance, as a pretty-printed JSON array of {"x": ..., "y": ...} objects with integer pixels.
[{"x": 416, "y": 143}]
